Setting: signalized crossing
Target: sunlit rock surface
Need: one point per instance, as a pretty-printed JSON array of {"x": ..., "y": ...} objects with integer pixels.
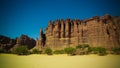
[{"x": 96, "y": 31}]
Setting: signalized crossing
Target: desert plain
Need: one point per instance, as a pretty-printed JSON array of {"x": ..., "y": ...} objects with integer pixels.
[{"x": 59, "y": 61}]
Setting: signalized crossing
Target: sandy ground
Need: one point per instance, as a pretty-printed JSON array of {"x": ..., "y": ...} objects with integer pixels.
[{"x": 59, "y": 61}]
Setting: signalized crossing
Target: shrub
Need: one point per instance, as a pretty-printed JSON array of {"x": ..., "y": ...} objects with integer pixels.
[
  {"x": 48, "y": 51},
  {"x": 116, "y": 50},
  {"x": 82, "y": 49},
  {"x": 102, "y": 51},
  {"x": 59, "y": 52},
  {"x": 2, "y": 50},
  {"x": 79, "y": 47},
  {"x": 21, "y": 50},
  {"x": 36, "y": 51},
  {"x": 82, "y": 46},
  {"x": 98, "y": 50},
  {"x": 94, "y": 50},
  {"x": 85, "y": 45},
  {"x": 70, "y": 50},
  {"x": 91, "y": 49}
]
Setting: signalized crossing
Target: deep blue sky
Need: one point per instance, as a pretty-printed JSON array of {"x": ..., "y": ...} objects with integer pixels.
[{"x": 28, "y": 16}]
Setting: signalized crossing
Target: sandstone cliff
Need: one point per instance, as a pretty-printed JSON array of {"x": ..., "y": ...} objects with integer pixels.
[
  {"x": 9, "y": 44},
  {"x": 97, "y": 32}
]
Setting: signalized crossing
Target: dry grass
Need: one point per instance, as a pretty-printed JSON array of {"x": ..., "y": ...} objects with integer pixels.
[{"x": 59, "y": 61}]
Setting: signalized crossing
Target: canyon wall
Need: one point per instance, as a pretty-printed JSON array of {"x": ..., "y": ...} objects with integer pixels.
[{"x": 97, "y": 32}]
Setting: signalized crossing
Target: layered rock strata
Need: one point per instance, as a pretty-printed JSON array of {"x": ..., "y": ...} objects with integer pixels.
[{"x": 97, "y": 32}]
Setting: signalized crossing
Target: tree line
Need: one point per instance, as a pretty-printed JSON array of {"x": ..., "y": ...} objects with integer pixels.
[{"x": 81, "y": 49}]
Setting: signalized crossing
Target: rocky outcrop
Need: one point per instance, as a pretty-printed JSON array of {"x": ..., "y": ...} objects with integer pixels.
[
  {"x": 24, "y": 40},
  {"x": 97, "y": 31},
  {"x": 6, "y": 42},
  {"x": 40, "y": 43}
]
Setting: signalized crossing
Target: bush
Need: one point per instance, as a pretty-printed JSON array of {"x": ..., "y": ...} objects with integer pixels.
[
  {"x": 94, "y": 50},
  {"x": 36, "y": 51},
  {"x": 98, "y": 50},
  {"x": 70, "y": 50},
  {"x": 59, "y": 52},
  {"x": 21, "y": 50},
  {"x": 2, "y": 50},
  {"x": 79, "y": 47},
  {"x": 48, "y": 51},
  {"x": 82, "y": 49},
  {"x": 82, "y": 46},
  {"x": 102, "y": 51},
  {"x": 116, "y": 50},
  {"x": 85, "y": 45}
]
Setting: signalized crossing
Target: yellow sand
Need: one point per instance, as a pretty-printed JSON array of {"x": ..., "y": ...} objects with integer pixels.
[{"x": 59, "y": 61}]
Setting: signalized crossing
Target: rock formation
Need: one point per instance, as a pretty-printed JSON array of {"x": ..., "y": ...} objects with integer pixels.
[
  {"x": 6, "y": 42},
  {"x": 40, "y": 43},
  {"x": 26, "y": 41},
  {"x": 97, "y": 32}
]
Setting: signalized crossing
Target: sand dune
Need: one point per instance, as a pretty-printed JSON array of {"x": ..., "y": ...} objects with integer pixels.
[{"x": 59, "y": 61}]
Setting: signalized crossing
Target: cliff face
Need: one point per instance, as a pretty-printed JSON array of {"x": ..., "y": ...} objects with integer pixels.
[
  {"x": 9, "y": 44},
  {"x": 97, "y": 31}
]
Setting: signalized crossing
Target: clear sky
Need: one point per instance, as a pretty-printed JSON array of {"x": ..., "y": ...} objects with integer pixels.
[{"x": 28, "y": 16}]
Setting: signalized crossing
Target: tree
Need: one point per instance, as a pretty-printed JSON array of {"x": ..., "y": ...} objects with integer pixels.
[
  {"x": 93, "y": 50},
  {"x": 102, "y": 51},
  {"x": 48, "y": 51},
  {"x": 36, "y": 51},
  {"x": 21, "y": 50},
  {"x": 98, "y": 50},
  {"x": 70, "y": 50}
]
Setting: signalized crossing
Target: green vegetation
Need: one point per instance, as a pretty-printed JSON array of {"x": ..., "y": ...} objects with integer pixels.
[
  {"x": 98, "y": 50},
  {"x": 36, "y": 51},
  {"x": 70, "y": 50},
  {"x": 82, "y": 49},
  {"x": 82, "y": 46},
  {"x": 116, "y": 50},
  {"x": 48, "y": 51},
  {"x": 59, "y": 52},
  {"x": 21, "y": 50},
  {"x": 2, "y": 50}
]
